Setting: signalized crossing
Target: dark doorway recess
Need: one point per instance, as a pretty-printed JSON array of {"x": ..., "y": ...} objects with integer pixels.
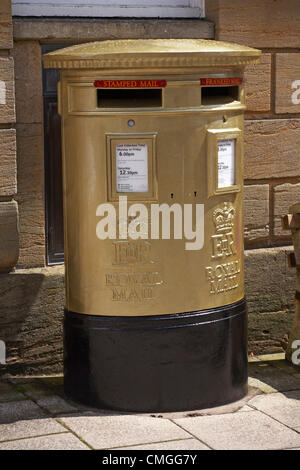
[{"x": 53, "y": 165}]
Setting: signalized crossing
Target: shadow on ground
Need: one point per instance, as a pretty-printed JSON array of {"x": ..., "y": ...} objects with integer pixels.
[{"x": 25, "y": 398}]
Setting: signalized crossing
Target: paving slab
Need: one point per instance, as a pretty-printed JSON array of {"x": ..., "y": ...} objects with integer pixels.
[
  {"x": 217, "y": 410},
  {"x": 56, "y": 405},
  {"x": 102, "y": 432},
  {"x": 245, "y": 408},
  {"x": 283, "y": 407},
  {"x": 273, "y": 377},
  {"x": 286, "y": 367},
  {"x": 20, "y": 410},
  {"x": 53, "y": 381},
  {"x": 42, "y": 390},
  {"x": 184, "y": 444},
  {"x": 29, "y": 428},
  {"x": 241, "y": 431},
  {"x": 267, "y": 418},
  {"x": 261, "y": 386},
  {"x": 34, "y": 390},
  {"x": 65, "y": 441},
  {"x": 9, "y": 393}
]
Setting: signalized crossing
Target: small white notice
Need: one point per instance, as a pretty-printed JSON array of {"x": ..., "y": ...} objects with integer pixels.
[
  {"x": 132, "y": 168},
  {"x": 226, "y": 163}
]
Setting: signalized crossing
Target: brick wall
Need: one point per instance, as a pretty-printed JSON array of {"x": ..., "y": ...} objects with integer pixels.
[
  {"x": 272, "y": 127},
  {"x": 8, "y": 171}
]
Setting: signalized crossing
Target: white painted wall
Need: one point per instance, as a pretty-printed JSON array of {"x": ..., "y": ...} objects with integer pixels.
[{"x": 113, "y": 8}]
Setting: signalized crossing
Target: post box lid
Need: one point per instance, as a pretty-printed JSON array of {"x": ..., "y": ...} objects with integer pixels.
[{"x": 151, "y": 53}]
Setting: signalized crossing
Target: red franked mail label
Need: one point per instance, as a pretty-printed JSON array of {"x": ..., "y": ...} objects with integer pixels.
[
  {"x": 221, "y": 81},
  {"x": 130, "y": 83}
]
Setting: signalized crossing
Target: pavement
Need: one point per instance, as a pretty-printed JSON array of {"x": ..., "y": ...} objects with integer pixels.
[{"x": 35, "y": 415}]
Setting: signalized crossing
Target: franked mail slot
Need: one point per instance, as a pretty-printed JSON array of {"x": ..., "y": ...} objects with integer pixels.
[
  {"x": 132, "y": 98},
  {"x": 219, "y": 94}
]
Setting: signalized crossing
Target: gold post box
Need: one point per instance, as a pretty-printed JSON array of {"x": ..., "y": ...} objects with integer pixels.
[{"x": 152, "y": 136}]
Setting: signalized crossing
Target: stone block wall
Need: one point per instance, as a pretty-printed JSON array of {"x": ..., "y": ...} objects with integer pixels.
[
  {"x": 272, "y": 155},
  {"x": 30, "y": 154},
  {"x": 9, "y": 238},
  {"x": 272, "y": 127}
]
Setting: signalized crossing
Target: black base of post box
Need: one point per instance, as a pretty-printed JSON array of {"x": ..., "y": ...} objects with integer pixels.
[{"x": 158, "y": 363}]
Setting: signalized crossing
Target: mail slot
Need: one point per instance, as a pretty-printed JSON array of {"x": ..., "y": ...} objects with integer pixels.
[
  {"x": 119, "y": 98},
  {"x": 155, "y": 316},
  {"x": 220, "y": 95}
]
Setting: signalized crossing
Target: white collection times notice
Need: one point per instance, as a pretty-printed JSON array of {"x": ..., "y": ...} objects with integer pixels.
[
  {"x": 132, "y": 168},
  {"x": 226, "y": 163}
]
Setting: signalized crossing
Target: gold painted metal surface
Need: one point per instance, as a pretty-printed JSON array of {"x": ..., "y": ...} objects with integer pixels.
[
  {"x": 130, "y": 53},
  {"x": 151, "y": 277}
]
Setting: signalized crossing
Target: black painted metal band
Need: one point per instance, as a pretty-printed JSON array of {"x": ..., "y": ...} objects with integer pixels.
[{"x": 157, "y": 363}]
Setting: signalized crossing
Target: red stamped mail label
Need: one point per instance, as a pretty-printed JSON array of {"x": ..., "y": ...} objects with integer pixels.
[{"x": 130, "y": 83}]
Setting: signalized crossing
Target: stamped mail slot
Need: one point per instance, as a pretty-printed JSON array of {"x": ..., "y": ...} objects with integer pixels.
[{"x": 129, "y": 98}]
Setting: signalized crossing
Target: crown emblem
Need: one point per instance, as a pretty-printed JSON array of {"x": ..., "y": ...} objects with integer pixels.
[{"x": 224, "y": 218}]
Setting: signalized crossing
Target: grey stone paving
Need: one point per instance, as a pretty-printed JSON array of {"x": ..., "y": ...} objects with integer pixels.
[
  {"x": 283, "y": 407},
  {"x": 245, "y": 431},
  {"x": 276, "y": 378},
  {"x": 34, "y": 414},
  {"x": 34, "y": 390},
  {"x": 8, "y": 393},
  {"x": 65, "y": 441},
  {"x": 103, "y": 432},
  {"x": 54, "y": 404},
  {"x": 29, "y": 428},
  {"x": 245, "y": 408},
  {"x": 185, "y": 444},
  {"x": 19, "y": 410}
]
